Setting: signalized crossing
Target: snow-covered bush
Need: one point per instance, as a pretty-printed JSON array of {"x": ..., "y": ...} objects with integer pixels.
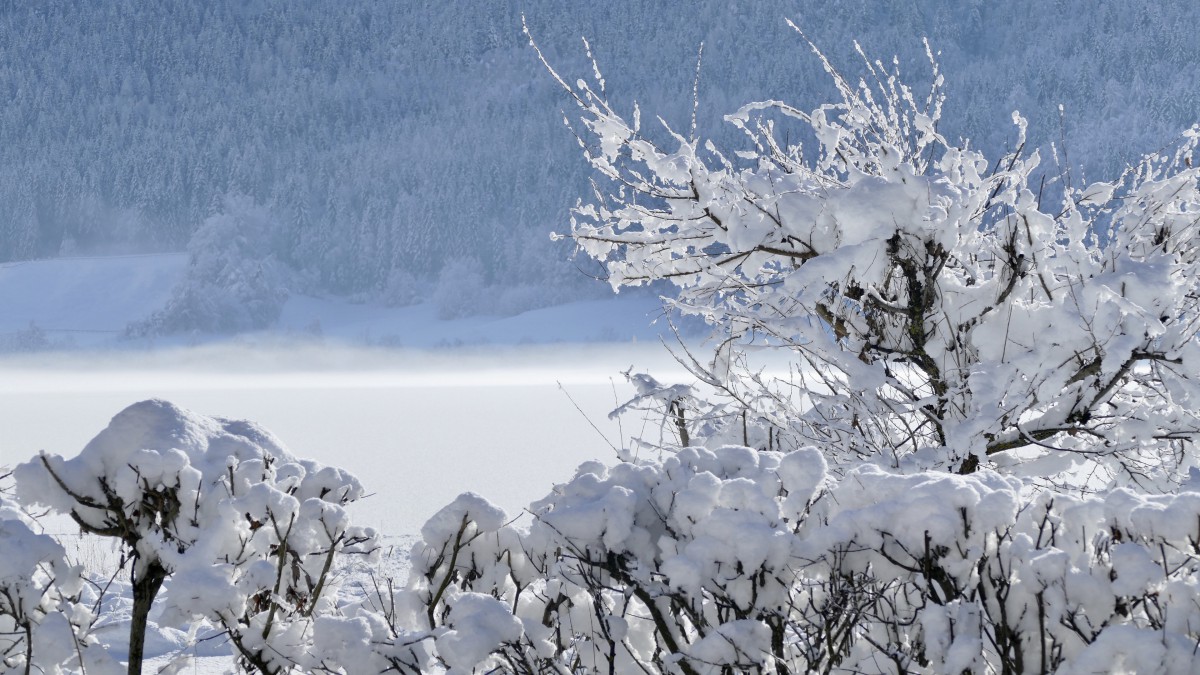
[
  {"x": 233, "y": 282},
  {"x": 243, "y": 535},
  {"x": 43, "y": 627},
  {"x": 740, "y": 560},
  {"x": 943, "y": 310}
]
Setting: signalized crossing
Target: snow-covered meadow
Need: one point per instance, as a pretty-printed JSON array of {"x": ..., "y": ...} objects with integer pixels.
[{"x": 417, "y": 427}]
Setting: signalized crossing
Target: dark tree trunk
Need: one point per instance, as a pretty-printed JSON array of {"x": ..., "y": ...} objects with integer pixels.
[{"x": 145, "y": 588}]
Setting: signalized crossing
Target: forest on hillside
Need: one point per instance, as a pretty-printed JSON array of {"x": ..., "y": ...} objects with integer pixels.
[{"x": 381, "y": 145}]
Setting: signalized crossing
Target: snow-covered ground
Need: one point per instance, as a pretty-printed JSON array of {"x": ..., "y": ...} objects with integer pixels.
[
  {"x": 418, "y": 427},
  {"x": 85, "y": 301}
]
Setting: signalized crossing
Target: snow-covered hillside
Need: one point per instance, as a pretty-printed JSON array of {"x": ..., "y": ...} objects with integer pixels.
[
  {"x": 81, "y": 301},
  {"x": 73, "y": 303}
]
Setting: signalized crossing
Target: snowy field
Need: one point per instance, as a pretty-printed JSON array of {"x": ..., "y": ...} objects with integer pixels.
[{"x": 417, "y": 427}]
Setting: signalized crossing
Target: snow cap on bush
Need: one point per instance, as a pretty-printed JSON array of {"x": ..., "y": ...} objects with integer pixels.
[{"x": 222, "y": 507}]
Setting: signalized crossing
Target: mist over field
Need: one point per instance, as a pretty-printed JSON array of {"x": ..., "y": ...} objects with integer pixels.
[{"x": 418, "y": 426}]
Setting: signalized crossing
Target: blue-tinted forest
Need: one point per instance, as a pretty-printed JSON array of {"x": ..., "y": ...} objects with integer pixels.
[{"x": 379, "y": 142}]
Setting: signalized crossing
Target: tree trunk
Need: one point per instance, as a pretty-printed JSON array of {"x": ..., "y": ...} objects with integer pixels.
[
  {"x": 968, "y": 466},
  {"x": 145, "y": 588}
]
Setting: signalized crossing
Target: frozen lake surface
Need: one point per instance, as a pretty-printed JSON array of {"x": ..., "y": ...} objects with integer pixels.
[{"x": 417, "y": 427}]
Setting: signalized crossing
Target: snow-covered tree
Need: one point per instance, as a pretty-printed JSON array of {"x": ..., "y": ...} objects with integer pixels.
[
  {"x": 244, "y": 535},
  {"x": 943, "y": 310},
  {"x": 981, "y": 459},
  {"x": 234, "y": 281}
]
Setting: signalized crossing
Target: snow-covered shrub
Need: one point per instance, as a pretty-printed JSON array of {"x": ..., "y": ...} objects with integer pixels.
[
  {"x": 943, "y": 310},
  {"x": 244, "y": 534},
  {"x": 739, "y": 560},
  {"x": 460, "y": 540},
  {"x": 233, "y": 281},
  {"x": 43, "y": 628},
  {"x": 601, "y": 579}
]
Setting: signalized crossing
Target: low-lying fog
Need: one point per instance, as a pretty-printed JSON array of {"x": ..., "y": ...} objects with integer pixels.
[{"x": 417, "y": 427}]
